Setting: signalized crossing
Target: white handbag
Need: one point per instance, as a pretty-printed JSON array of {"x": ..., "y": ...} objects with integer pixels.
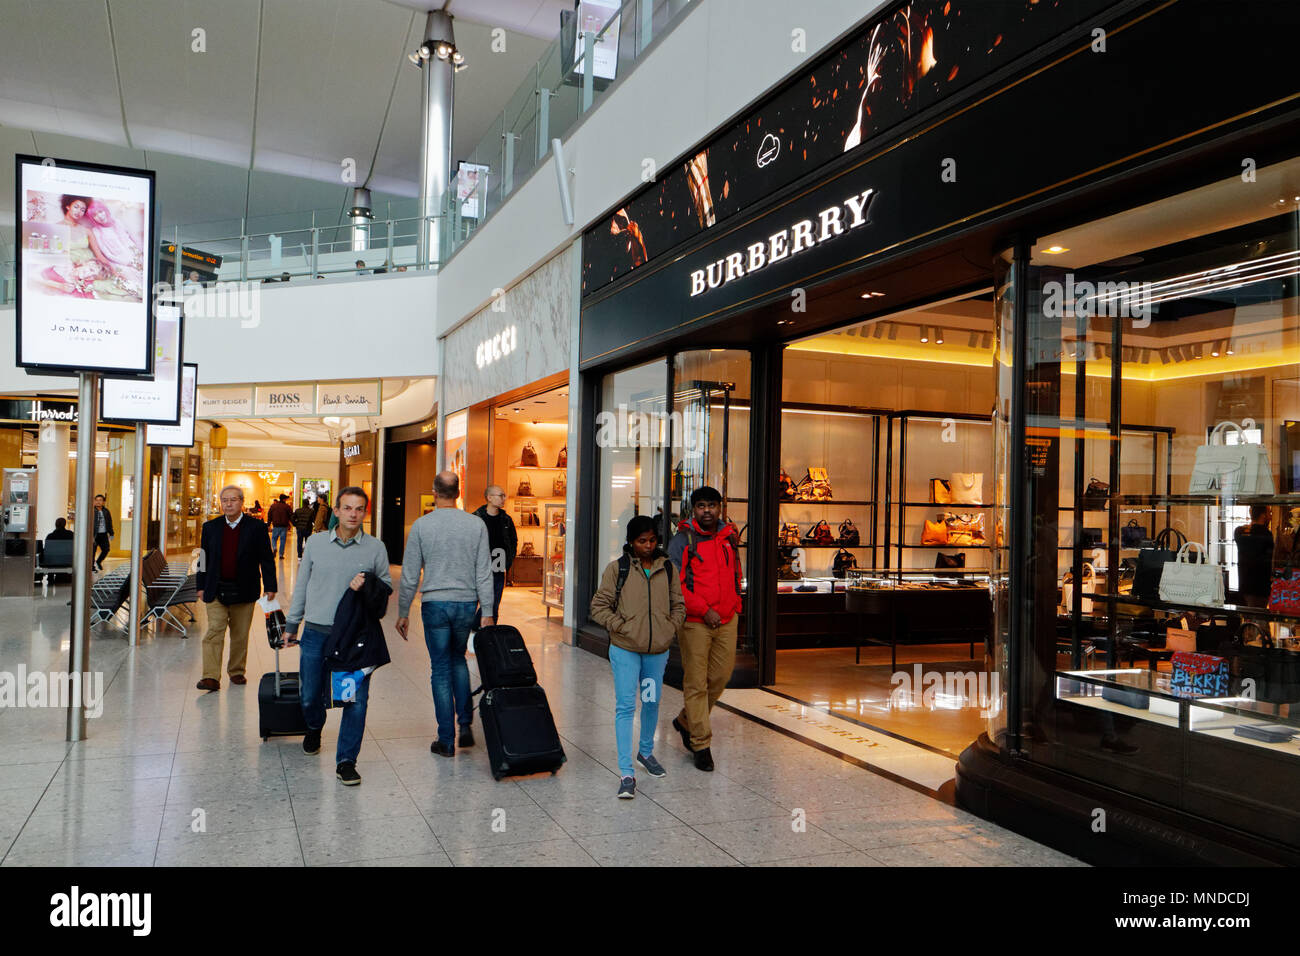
[
  {"x": 1067, "y": 592},
  {"x": 1239, "y": 469},
  {"x": 966, "y": 488},
  {"x": 1191, "y": 582}
]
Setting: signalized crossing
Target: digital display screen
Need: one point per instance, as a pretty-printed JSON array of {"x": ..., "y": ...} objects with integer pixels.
[
  {"x": 182, "y": 435},
  {"x": 158, "y": 401}
]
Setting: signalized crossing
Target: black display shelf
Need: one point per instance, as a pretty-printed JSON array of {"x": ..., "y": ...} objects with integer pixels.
[
  {"x": 1259, "y": 613},
  {"x": 825, "y": 547},
  {"x": 830, "y": 503},
  {"x": 950, "y": 507},
  {"x": 1208, "y": 500}
]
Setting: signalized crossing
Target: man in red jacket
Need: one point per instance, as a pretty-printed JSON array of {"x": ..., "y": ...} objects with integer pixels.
[{"x": 705, "y": 549}]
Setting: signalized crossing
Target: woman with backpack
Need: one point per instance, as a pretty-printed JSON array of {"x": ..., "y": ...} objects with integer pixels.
[{"x": 640, "y": 603}]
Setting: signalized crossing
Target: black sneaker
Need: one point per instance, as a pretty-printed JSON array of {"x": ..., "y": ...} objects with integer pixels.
[
  {"x": 466, "y": 738},
  {"x": 441, "y": 749},
  {"x": 686, "y": 734},
  {"x": 347, "y": 773},
  {"x": 627, "y": 788},
  {"x": 703, "y": 760},
  {"x": 652, "y": 766},
  {"x": 311, "y": 743}
]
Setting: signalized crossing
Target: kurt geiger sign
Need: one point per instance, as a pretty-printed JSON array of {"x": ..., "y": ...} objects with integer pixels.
[{"x": 805, "y": 234}]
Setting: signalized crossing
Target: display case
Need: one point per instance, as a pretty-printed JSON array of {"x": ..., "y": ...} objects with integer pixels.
[
  {"x": 939, "y": 496},
  {"x": 943, "y": 606},
  {"x": 554, "y": 537}
]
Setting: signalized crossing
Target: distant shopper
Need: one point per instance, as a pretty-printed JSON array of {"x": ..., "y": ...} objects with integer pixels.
[
  {"x": 103, "y": 531},
  {"x": 322, "y": 514},
  {"x": 280, "y": 517},
  {"x": 236, "y": 550},
  {"x": 502, "y": 539},
  {"x": 1254, "y": 543},
  {"x": 640, "y": 604},
  {"x": 303, "y": 519},
  {"x": 451, "y": 548},
  {"x": 705, "y": 549},
  {"x": 347, "y": 559},
  {"x": 60, "y": 532},
  {"x": 361, "y": 267}
]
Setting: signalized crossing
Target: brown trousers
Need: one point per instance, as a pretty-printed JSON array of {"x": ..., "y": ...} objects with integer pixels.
[
  {"x": 239, "y": 618},
  {"x": 708, "y": 656}
]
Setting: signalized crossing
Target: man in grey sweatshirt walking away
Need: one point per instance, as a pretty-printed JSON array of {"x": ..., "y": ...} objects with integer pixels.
[{"x": 451, "y": 548}]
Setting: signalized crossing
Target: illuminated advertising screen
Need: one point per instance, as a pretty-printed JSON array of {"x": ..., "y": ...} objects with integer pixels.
[
  {"x": 182, "y": 435},
  {"x": 158, "y": 401},
  {"x": 84, "y": 266}
]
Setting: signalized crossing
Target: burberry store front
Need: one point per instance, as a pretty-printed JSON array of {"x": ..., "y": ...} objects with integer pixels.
[{"x": 967, "y": 394}]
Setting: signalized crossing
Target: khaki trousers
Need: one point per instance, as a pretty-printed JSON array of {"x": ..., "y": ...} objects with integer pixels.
[
  {"x": 708, "y": 656},
  {"x": 239, "y": 618}
]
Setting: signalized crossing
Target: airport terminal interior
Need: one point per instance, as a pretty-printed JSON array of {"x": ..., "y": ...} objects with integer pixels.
[{"x": 336, "y": 328}]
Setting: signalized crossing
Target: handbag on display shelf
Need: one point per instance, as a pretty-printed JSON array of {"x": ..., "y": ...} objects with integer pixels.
[
  {"x": 1240, "y": 468},
  {"x": 848, "y": 534},
  {"x": 528, "y": 458},
  {"x": 1284, "y": 590},
  {"x": 820, "y": 535},
  {"x": 844, "y": 561},
  {"x": 528, "y": 515},
  {"x": 1067, "y": 590},
  {"x": 934, "y": 532},
  {"x": 562, "y": 459},
  {"x": 1132, "y": 534},
  {"x": 1199, "y": 675},
  {"x": 957, "y": 560},
  {"x": 815, "y": 485},
  {"x": 785, "y": 570},
  {"x": 525, "y": 489},
  {"x": 965, "y": 530},
  {"x": 940, "y": 492},
  {"x": 1180, "y": 639},
  {"x": 967, "y": 488},
  {"x": 526, "y": 550},
  {"x": 785, "y": 486},
  {"x": 1191, "y": 582},
  {"x": 1095, "y": 495},
  {"x": 559, "y": 487},
  {"x": 1151, "y": 562},
  {"x": 1091, "y": 538},
  {"x": 789, "y": 535}
]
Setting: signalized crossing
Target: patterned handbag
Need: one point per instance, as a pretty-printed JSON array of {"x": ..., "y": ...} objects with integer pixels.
[
  {"x": 785, "y": 486},
  {"x": 815, "y": 485},
  {"x": 965, "y": 530},
  {"x": 529, "y": 456},
  {"x": 525, "y": 489},
  {"x": 789, "y": 535},
  {"x": 559, "y": 487},
  {"x": 1199, "y": 675},
  {"x": 562, "y": 459},
  {"x": 849, "y": 534},
  {"x": 1284, "y": 591},
  {"x": 527, "y": 550}
]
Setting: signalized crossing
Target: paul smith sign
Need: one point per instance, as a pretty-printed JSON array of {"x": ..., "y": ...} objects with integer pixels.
[
  {"x": 786, "y": 244},
  {"x": 351, "y": 399}
]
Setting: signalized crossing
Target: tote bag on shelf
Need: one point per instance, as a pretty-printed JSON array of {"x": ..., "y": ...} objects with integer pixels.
[
  {"x": 1239, "y": 469},
  {"x": 1184, "y": 581},
  {"x": 966, "y": 488}
]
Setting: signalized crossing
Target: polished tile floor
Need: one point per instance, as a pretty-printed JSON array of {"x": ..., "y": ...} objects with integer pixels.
[{"x": 170, "y": 776}]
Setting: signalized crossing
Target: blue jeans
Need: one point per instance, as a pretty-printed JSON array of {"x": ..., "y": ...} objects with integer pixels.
[
  {"x": 282, "y": 536},
  {"x": 315, "y": 678},
  {"x": 498, "y": 588},
  {"x": 636, "y": 676},
  {"x": 446, "y": 634}
]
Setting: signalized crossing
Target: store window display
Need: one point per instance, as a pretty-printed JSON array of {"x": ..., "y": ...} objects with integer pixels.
[{"x": 1162, "y": 613}]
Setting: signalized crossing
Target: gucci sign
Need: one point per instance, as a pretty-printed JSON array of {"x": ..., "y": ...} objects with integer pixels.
[{"x": 500, "y": 345}]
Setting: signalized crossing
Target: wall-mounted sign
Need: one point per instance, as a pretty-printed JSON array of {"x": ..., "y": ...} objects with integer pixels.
[
  {"x": 591, "y": 17},
  {"x": 471, "y": 187},
  {"x": 359, "y": 449},
  {"x": 225, "y": 402},
  {"x": 182, "y": 435},
  {"x": 158, "y": 401},
  {"x": 349, "y": 399},
  {"x": 280, "y": 400},
  {"x": 497, "y": 347},
  {"x": 84, "y": 266},
  {"x": 457, "y": 425}
]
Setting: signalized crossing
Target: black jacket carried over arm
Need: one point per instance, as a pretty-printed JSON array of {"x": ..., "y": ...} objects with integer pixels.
[
  {"x": 356, "y": 637},
  {"x": 254, "y": 555}
]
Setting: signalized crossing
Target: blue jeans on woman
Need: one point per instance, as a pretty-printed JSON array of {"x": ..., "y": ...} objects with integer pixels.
[
  {"x": 446, "y": 634},
  {"x": 315, "y": 684},
  {"x": 636, "y": 676}
]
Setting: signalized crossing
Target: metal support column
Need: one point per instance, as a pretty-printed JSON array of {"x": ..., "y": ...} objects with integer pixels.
[
  {"x": 377, "y": 526},
  {"x": 137, "y": 526},
  {"x": 436, "y": 94},
  {"x": 79, "y": 649}
]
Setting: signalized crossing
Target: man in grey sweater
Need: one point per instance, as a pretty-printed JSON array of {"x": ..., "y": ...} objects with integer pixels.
[
  {"x": 451, "y": 548},
  {"x": 332, "y": 563}
]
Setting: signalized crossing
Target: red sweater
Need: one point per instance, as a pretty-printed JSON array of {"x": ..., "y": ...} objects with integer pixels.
[{"x": 229, "y": 552}]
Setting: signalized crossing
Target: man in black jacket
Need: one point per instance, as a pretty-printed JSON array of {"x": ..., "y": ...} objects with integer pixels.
[
  {"x": 235, "y": 549},
  {"x": 303, "y": 519},
  {"x": 503, "y": 542},
  {"x": 103, "y": 531}
]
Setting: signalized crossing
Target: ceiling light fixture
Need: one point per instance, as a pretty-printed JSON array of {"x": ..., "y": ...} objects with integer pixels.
[
  {"x": 938, "y": 338},
  {"x": 1055, "y": 250},
  {"x": 924, "y": 336},
  {"x": 1229, "y": 347},
  {"x": 872, "y": 295},
  {"x": 1214, "y": 349}
]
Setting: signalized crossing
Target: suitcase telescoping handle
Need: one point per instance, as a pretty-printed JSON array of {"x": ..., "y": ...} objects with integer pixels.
[{"x": 277, "y": 673}]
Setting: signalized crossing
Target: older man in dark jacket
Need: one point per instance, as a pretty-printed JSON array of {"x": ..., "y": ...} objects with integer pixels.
[{"x": 235, "y": 549}]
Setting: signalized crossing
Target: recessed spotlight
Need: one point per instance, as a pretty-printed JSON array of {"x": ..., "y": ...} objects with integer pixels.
[
  {"x": 938, "y": 338},
  {"x": 1229, "y": 349},
  {"x": 1055, "y": 250},
  {"x": 872, "y": 295},
  {"x": 1214, "y": 349},
  {"x": 924, "y": 336},
  {"x": 785, "y": 321},
  {"x": 517, "y": 409}
]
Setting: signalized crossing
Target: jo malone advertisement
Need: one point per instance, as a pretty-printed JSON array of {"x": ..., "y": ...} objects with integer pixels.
[
  {"x": 182, "y": 435},
  {"x": 159, "y": 401},
  {"x": 84, "y": 266}
]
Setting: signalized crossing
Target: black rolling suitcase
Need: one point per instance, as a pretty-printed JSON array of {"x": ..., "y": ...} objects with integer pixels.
[
  {"x": 503, "y": 658},
  {"x": 519, "y": 731},
  {"x": 518, "y": 728},
  {"x": 279, "y": 704}
]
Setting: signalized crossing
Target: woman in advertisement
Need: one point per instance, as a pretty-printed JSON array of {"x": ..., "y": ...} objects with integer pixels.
[
  {"x": 111, "y": 244},
  {"x": 76, "y": 277}
]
